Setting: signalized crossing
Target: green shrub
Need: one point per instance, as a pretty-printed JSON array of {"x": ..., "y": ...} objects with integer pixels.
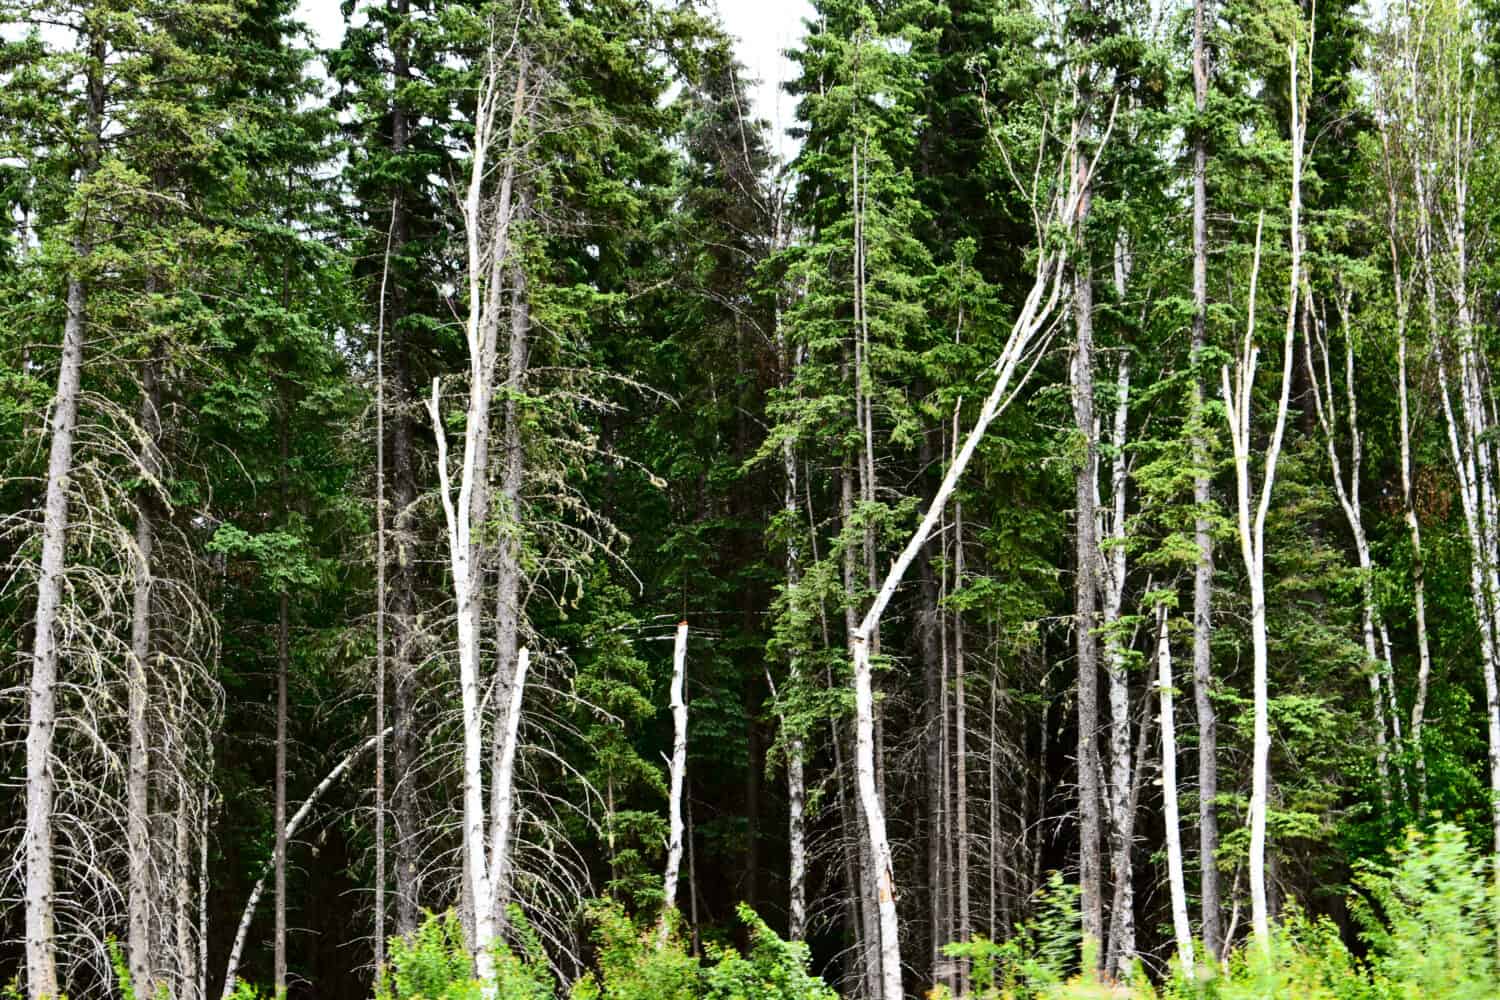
[
  {"x": 1430, "y": 920},
  {"x": 433, "y": 963},
  {"x": 631, "y": 965},
  {"x": 1034, "y": 963},
  {"x": 773, "y": 970},
  {"x": 636, "y": 963}
]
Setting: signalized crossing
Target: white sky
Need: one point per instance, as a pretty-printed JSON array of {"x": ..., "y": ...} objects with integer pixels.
[{"x": 764, "y": 28}]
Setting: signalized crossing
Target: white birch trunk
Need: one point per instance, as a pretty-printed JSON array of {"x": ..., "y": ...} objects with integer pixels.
[
  {"x": 1250, "y": 521},
  {"x": 1122, "y": 816},
  {"x": 1035, "y": 312},
  {"x": 487, "y": 240},
  {"x": 232, "y": 966},
  {"x": 1349, "y": 501},
  {"x": 504, "y": 779},
  {"x": 1181, "y": 928},
  {"x": 678, "y": 771}
]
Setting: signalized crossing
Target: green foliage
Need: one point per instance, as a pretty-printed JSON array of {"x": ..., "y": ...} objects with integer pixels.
[
  {"x": 772, "y": 970},
  {"x": 1036, "y": 960},
  {"x": 1431, "y": 917},
  {"x": 636, "y": 963},
  {"x": 433, "y": 963}
]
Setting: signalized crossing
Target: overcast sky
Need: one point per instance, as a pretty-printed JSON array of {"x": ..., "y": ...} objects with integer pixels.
[{"x": 764, "y": 28}]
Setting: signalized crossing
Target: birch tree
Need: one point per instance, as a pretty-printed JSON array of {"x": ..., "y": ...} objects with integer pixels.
[
  {"x": 1372, "y": 625},
  {"x": 1252, "y": 504},
  {"x": 1010, "y": 371},
  {"x": 487, "y": 212},
  {"x": 1181, "y": 928}
]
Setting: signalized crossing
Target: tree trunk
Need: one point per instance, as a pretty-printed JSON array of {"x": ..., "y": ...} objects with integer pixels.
[
  {"x": 1325, "y": 407},
  {"x": 1203, "y": 570},
  {"x": 1121, "y": 950},
  {"x": 1252, "y": 520},
  {"x": 282, "y": 662},
  {"x": 796, "y": 750},
  {"x": 402, "y": 572},
  {"x": 960, "y": 751},
  {"x": 1038, "y": 306},
  {"x": 237, "y": 947},
  {"x": 187, "y": 948},
  {"x": 138, "y": 808},
  {"x": 934, "y": 711},
  {"x": 41, "y": 953},
  {"x": 1181, "y": 928},
  {"x": 487, "y": 237},
  {"x": 1085, "y": 595},
  {"x": 866, "y": 888},
  {"x": 678, "y": 770},
  {"x": 508, "y": 561},
  {"x": 1414, "y": 534}
]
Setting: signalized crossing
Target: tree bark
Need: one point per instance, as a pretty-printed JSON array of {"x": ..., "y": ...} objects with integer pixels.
[
  {"x": 403, "y": 487},
  {"x": 1085, "y": 598},
  {"x": 796, "y": 748},
  {"x": 1039, "y": 303},
  {"x": 41, "y": 953},
  {"x": 1251, "y": 519},
  {"x": 508, "y": 556},
  {"x": 1203, "y": 570},
  {"x": 237, "y": 947},
  {"x": 1181, "y": 928},
  {"x": 678, "y": 771},
  {"x": 960, "y": 751},
  {"x": 1325, "y": 407},
  {"x": 1121, "y": 950},
  {"x": 486, "y": 224},
  {"x": 138, "y": 807},
  {"x": 282, "y": 663}
]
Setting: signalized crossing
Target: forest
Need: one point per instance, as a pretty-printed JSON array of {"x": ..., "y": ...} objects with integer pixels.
[{"x": 479, "y": 521}]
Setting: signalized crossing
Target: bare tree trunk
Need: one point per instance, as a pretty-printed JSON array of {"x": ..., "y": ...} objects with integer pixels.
[
  {"x": 866, "y": 887},
  {"x": 960, "y": 751},
  {"x": 1325, "y": 406},
  {"x": 1181, "y": 928},
  {"x": 203, "y": 820},
  {"x": 380, "y": 605},
  {"x": 508, "y": 563},
  {"x": 1470, "y": 427},
  {"x": 41, "y": 962},
  {"x": 187, "y": 948},
  {"x": 934, "y": 711},
  {"x": 1203, "y": 570},
  {"x": 138, "y": 806},
  {"x": 796, "y": 749},
  {"x": 237, "y": 947},
  {"x": 1418, "y": 575},
  {"x": 487, "y": 237},
  {"x": 504, "y": 778},
  {"x": 1251, "y": 520},
  {"x": 402, "y": 613},
  {"x": 678, "y": 771},
  {"x": 1085, "y": 597},
  {"x": 1039, "y": 303},
  {"x": 282, "y": 662},
  {"x": 1121, "y": 950},
  {"x": 41, "y": 954}
]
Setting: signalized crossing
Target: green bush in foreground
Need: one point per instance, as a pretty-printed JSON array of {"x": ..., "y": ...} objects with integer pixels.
[
  {"x": 632, "y": 963},
  {"x": 1430, "y": 919}
]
